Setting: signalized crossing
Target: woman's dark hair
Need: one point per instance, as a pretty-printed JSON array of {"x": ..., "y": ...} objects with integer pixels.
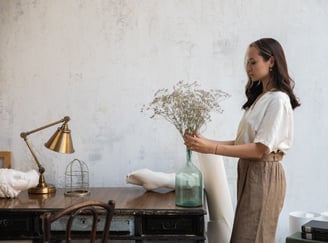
[{"x": 269, "y": 47}]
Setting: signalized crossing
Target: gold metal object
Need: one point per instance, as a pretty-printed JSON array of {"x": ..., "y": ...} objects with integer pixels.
[{"x": 60, "y": 142}]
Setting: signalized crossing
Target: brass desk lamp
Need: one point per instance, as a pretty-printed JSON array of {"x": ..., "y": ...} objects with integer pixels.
[{"x": 60, "y": 141}]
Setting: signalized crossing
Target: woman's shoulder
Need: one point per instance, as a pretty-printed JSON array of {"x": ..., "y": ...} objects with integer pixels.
[{"x": 279, "y": 96}]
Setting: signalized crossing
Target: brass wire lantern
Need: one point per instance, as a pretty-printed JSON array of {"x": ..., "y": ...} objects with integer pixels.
[{"x": 77, "y": 179}]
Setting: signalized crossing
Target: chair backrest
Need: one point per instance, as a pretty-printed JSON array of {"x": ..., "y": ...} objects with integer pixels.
[{"x": 91, "y": 208}]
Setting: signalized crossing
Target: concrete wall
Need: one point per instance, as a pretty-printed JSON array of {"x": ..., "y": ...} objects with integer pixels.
[{"x": 100, "y": 61}]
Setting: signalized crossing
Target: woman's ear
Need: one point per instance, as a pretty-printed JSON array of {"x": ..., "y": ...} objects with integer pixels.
[{"x": 271, "y": 61}]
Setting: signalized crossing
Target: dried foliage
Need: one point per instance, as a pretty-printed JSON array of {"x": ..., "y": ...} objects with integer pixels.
[{"x": 187, "y": 107}]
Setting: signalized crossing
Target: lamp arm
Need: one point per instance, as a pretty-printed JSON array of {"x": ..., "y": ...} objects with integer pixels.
[
  {"x": 41, "y": 168},
  {"x": 25, "y": 134}
]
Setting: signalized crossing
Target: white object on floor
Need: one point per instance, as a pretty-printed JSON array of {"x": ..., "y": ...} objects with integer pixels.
[
  {"x": 218, "y": 196},
  {"x": 298, "y": 218}
]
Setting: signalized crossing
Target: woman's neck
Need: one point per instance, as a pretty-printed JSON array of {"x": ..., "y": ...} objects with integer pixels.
[{"x": 267, "y": 85}]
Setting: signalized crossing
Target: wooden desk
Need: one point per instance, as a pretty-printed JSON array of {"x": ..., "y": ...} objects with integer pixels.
[{"x": 139, "y": 215}]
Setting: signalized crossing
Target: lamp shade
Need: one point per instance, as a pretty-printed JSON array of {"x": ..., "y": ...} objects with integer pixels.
[{"x": 61, "y": 141}]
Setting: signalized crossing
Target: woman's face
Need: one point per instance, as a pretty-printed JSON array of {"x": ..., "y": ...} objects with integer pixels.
[{"x": 256, "y": 67}]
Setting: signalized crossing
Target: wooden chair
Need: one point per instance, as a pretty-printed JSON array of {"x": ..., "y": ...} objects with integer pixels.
[{"x": 90, "y": 208}]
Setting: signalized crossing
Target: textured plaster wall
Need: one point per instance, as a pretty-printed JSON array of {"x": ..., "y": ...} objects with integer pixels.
[{"x": 100, "y": 61}]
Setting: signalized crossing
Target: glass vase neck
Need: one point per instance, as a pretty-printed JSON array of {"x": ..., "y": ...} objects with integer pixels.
[{"x": 188, "y": 152}]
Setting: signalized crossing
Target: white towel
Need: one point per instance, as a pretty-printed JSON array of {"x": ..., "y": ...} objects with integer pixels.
[{"x": 12, "y": 182}]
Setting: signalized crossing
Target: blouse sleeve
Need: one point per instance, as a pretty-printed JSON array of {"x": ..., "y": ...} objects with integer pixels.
[{"x": 276, "y": 128}]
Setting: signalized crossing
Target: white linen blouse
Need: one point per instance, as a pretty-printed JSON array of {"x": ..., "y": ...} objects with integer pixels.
[{"x": 268, "y": 121}]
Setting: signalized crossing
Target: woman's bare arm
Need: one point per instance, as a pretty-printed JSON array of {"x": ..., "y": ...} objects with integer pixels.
[{"x": 226, "y": 148}]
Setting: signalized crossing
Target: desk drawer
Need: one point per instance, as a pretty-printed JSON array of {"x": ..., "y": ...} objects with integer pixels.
[
  {"x": 170, "y": 224},
  {"x": 120, "y": 225},
  {"x": 23, "y": 225}
]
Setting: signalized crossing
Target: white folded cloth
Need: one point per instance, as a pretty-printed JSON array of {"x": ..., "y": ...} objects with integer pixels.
[
  {"x": 12, "y": 181},
  {"x": 151, "y": 180}
]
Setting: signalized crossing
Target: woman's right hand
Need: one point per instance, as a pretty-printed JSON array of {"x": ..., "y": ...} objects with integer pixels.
[{"x": 199, "y": 143}]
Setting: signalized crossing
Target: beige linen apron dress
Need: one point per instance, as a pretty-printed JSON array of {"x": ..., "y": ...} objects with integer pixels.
[
  {"x": 261, "y": 190},
  {"x": 261, "y": 184}
]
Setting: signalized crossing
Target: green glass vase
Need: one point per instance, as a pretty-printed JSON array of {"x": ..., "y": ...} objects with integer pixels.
[{"x": 189, "y": 185}]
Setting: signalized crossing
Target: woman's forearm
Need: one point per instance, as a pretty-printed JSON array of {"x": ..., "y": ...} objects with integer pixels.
[
  {"x": 245, "y": 151},
  {"x": 226, "y": 142},
  {"x": 225, "y": 148}
]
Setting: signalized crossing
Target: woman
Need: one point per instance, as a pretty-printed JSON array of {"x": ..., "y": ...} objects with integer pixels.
[{"x": 264, "y": 135}]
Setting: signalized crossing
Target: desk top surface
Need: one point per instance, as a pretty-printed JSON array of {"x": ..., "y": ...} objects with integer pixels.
[{"x": 126, "y": 199}]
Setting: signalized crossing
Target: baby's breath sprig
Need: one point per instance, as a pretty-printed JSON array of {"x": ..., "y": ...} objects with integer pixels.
[{"x": 187, "y": 107}]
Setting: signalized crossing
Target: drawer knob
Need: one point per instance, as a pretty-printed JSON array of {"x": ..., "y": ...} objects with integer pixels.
[
  {"x": 4, "y": 222},
  {"x": 169, "y": 225}
]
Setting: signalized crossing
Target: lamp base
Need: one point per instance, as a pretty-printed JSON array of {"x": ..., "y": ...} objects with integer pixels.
[
  {"x": 42, "y": 190},
  {"x": 79, "y": 193}
]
